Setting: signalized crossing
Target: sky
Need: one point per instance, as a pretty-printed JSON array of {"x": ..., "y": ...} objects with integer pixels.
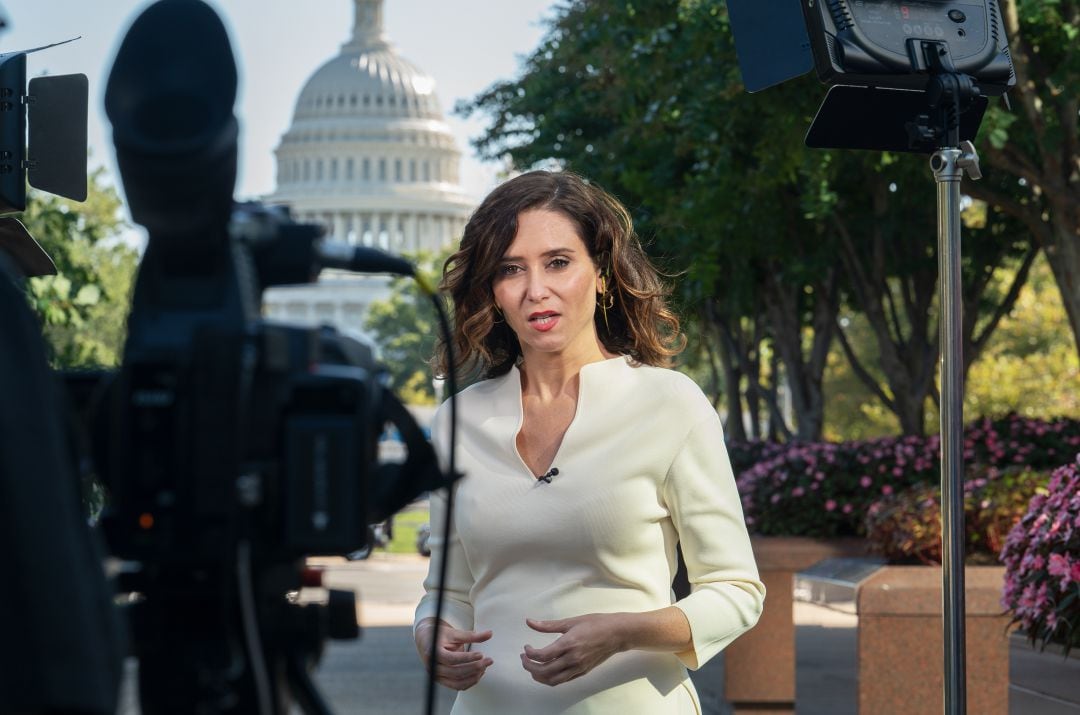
[{"x": 466, "y": 45}]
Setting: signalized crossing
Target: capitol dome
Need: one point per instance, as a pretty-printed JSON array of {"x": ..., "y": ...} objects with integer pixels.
[{"x": 369, "y": 155}]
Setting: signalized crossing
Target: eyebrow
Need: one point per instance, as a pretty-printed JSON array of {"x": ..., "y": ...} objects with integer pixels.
[{"x": 545, "y": 254}]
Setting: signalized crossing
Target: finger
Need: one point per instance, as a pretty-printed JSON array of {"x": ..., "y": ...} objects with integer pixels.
[
  {"x": 552, "y": 673},
  {"x": 458, "y": 657},
  {"x": 461, "y": 672},
  {"x": 458, "y": 683},
  {"x": 456, "y": 636},
  {"x": 469, "y": 670},
  {"x": 549, "y": 626},
  {"x": 545, "y": 655},
  {"x": 461, "y": 684}
]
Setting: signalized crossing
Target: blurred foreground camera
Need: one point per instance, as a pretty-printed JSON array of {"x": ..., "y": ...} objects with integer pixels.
[{"x": 231, "y": 446}]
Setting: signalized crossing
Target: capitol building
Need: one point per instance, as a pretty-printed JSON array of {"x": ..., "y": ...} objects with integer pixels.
[{"x": 369, "y": 155}]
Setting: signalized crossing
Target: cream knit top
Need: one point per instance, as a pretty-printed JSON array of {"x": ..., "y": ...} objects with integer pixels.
[{"x": 642, "y": 466}]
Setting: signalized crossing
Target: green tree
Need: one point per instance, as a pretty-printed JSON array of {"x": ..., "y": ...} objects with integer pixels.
[
  {"x": 881, "y": 207},
  {"x": 83, "y": 307},
  {"x": 404, "y": 327},
  {"x": 645, "y": 98},
  {"x": 1032, "y": 154},
  {"x": 1029, "y": 366}
]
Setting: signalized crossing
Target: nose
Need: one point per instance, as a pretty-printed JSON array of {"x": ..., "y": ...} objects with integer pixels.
[{"x": 537, "y": 288}]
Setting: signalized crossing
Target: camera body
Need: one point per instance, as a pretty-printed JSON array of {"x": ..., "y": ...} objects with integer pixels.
[
  {"x": 231, "y": 446},
  {"x": 249, "y": 429}
]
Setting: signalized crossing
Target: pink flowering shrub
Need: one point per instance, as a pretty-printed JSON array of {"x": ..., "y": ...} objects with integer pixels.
[
  {"x": 825, "y": 489},
  {"x": 1042, "y": 563},
  {"x": 906, "y": 527},
  {"x": 744, "y": 455},
  {"x": 1013, "y": 440}
]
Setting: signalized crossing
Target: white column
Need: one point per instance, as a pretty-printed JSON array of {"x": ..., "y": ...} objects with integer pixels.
[
  {"x": 376, "y": 229},
  {"x": 340, "y": 228},
  {"x": 394, "y": 239},
  {"x": 412, "y": 232},
  {"x": 421, "y": 231},
  {"x": 447, "y": 230}
]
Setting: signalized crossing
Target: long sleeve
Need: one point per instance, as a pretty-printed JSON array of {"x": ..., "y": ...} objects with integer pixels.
[
  {"x": 457, "y": 605},
  {"x": 726, "y": 593}
]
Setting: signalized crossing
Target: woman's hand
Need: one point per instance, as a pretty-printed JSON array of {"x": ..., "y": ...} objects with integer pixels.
[
  {"x": 455, "y": 666},
  {"x": 586, "y": 642}
]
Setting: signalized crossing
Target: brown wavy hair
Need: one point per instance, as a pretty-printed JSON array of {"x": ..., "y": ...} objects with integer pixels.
[{"x": 639, "y": 323}]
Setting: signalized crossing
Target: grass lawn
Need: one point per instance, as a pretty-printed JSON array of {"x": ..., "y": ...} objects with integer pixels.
[{"x": 406, "y": 524}]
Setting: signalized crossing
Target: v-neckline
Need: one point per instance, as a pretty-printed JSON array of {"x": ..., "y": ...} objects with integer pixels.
[
  {"x": 521, "y": 425},
  {"x": 556, "y": 459}
]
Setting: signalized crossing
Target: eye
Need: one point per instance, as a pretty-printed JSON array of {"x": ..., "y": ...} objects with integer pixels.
[
  {"x": 559, "y": 262},
  {"x": 508, "y": 269}
]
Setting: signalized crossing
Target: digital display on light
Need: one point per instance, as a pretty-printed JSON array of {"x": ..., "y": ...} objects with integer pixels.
[
  {"x": 914, "y": 19},
  {"x": 920, "y": 13}
]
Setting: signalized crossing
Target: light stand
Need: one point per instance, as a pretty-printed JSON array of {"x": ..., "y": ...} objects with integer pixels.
[
  {"x": 950, "y": 94},
  {"x": 909, "y": 77},
  {"x": 949, "y": 165}
]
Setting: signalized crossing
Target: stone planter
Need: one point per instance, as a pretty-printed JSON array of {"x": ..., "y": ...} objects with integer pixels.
[
  {"x": 901, "y": 650},
  {"x": 759, "y": 667}
]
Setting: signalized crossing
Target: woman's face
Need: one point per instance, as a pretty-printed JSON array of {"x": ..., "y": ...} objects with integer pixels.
[{"x": 546, "y": 286}]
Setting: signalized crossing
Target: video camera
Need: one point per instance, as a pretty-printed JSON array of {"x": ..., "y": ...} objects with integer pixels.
[{"x": 231, "y": 446}]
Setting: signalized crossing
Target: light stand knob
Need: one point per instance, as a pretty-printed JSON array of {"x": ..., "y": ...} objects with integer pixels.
[{"x": 969, "y": 160}]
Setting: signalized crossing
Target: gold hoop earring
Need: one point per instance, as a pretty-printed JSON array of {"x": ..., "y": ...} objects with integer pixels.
[
  {"x": 502, "y": 318},
  {"x": 607, "y": 300}
]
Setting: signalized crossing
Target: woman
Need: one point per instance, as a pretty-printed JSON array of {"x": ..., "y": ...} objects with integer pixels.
[{"x": 585, "y": 462}]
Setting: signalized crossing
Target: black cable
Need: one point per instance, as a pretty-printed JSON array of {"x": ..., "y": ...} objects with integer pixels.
[
  {"x": 303, "y": 690},
  {"x": 451, "y": 384},
  {"x": 366, "y": 260}
]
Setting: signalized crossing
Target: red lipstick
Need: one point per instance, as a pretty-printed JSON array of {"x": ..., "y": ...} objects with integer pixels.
[{"x": 544, "y": 320}]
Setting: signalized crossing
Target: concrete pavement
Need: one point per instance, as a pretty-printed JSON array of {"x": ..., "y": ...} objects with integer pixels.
[{"x": 380, "y": 674}]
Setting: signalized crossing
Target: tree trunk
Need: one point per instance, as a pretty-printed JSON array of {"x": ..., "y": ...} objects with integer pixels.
[
  {"x": 743, "y": 343},
  {"x": 805, "y": 373},
  {"x": 896, "y": 306},
  {"x": 735, "y": 428},
  {"x": 1063, "y": 255}
]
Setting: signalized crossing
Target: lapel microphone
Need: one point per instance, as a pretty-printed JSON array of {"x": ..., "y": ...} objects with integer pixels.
[{"x": 554, "y": 472}]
